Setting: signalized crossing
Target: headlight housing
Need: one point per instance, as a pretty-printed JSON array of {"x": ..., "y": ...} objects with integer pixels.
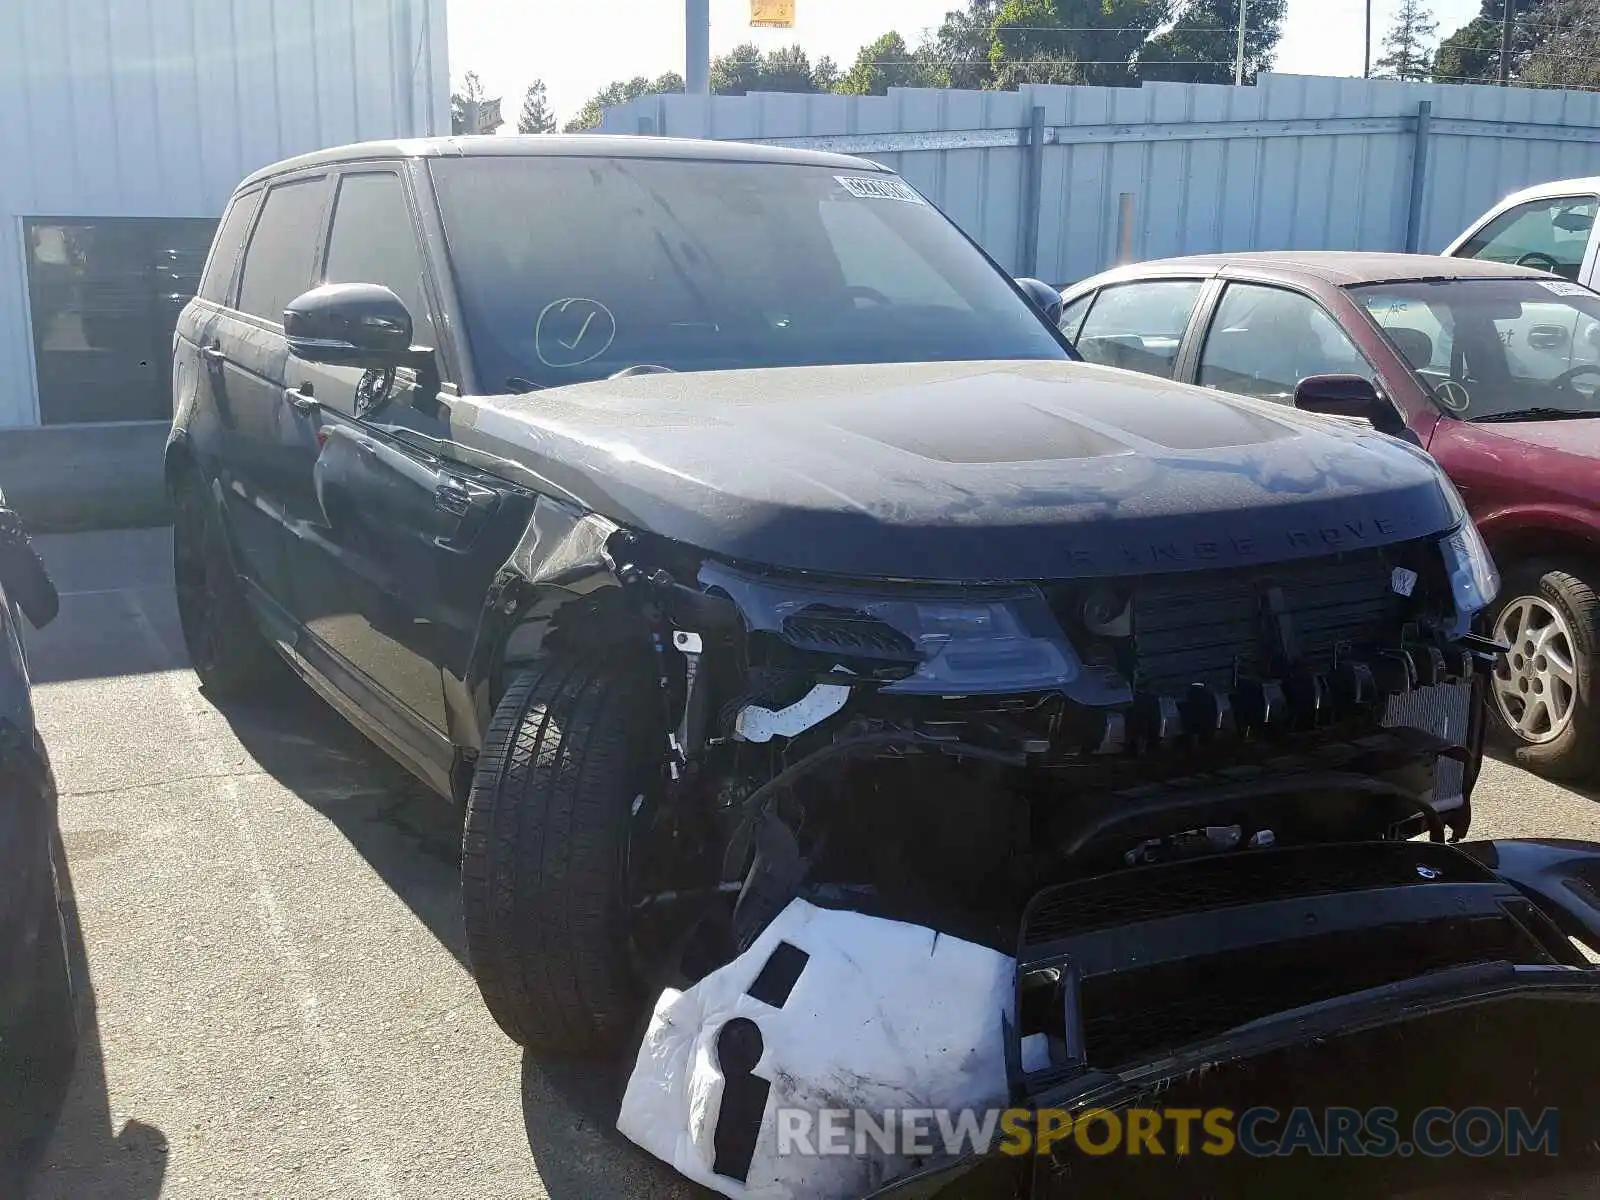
[
  {"x": 978, "y": 647},
  {"x": 1474, "y": 579},
  {"x": 955, "y": 641}
]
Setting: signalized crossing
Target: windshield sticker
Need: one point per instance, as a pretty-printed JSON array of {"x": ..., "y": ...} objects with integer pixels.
[
  {"x": 573, "y": 331},
  {"x": 1562, "y": 288},
  {"x": 884, "y": 188}
]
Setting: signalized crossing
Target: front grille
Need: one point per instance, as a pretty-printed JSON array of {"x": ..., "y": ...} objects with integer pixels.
[
  {"x": 1136, "y": 1015},
  {"x": 1230, "y": 880},
  {"x": 1213, "y": 627}
]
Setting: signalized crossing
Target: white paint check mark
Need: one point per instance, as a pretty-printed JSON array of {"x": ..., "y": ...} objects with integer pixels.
[{"x": 583, "y": 329}]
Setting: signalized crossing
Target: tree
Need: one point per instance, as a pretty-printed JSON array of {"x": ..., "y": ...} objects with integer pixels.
[
  {"x": 624, "y": 90},
  {"x": 957, "y": 55},
  {"x": 1472, "y": 53},
  {"x": 881, "y": 65},
  {"x": 825, "y": 76},
  {"x": 536, "y": 116},
  {"x": 1569, "y": 53},
  {"x": 1202, "y": 43},
  {"x": 471, "y": 93},
  {"x": 746, "y": 69},
  {"x": 1073, "y": 41},
  {"x": 1407, "y": 53}
]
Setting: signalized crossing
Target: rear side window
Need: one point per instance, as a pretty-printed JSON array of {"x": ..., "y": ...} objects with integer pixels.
[
  {"x": 1140, "y": 326},
  {"x": 373, "y": 241},
  {"x": 1550, "y": 235},
  {"x": 217, "y": 283},
  {"x": 278, "y": 264}
]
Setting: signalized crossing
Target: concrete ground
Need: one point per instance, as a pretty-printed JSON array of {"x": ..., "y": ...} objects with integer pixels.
[{"x": 276, "y": 1001}]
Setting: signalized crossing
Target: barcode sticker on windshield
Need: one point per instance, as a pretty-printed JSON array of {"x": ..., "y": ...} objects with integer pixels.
[
  {"x": 1562, "y": 288},
  {"x": 883, "y": 188}
]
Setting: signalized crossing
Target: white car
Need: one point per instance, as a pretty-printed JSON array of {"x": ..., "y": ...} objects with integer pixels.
[{"x": 1550, "y": 226}]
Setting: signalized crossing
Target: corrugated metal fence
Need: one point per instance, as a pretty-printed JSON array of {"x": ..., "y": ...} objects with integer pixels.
[{"x": 1041, "y": 177}]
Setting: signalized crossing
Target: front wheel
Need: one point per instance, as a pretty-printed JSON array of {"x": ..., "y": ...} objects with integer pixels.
[
  {"x": 544, "y": 861},
  {"x": 1544, "y": 687}
]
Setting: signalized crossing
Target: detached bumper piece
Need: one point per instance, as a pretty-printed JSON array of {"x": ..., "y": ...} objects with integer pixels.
[{"x": 1116, "y": 969}]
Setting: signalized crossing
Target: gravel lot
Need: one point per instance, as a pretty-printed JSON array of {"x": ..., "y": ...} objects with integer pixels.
[{"x": 277, "y": 1004}]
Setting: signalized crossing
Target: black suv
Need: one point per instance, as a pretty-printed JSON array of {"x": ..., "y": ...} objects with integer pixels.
[{"x": 718, "y": 524}]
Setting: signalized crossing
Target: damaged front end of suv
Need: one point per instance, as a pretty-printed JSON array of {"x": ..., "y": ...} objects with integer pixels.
[{"x": 1137, "y": 691}]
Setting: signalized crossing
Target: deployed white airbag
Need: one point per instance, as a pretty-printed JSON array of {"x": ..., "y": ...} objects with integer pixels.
[{"x": 827, "y": 1011}]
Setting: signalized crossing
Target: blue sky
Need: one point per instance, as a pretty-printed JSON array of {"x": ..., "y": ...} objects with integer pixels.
[{"x": 579, "y": 46}]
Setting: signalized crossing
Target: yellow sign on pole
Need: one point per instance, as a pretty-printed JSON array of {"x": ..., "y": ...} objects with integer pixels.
[{"x": 771, "y": 14}]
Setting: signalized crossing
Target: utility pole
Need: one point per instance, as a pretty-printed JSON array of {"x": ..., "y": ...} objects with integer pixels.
[
  {"x": 1505, "y": 42},
  {"x": 1238, "y": 66},
  {"x": 697, "y": 44},
  {"x": 1366, "y": 58}
]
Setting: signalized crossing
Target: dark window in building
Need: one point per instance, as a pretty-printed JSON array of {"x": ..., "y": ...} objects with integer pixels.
[
  {"x": 277, "y": 266},
  {"x": 373, "y": 241},
  {"x": 105, "y": 295},
  {"x": 218, "y": 282}
]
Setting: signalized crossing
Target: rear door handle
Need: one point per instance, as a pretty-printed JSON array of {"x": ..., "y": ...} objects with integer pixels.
[
  {"x": 301, "y": 398},
  {"x": 212, "y": 354}
]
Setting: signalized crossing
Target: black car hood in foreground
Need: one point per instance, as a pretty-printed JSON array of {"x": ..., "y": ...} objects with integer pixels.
[{"x": 960, "y": 471}]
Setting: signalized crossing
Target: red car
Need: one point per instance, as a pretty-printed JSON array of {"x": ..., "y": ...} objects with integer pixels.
[{"x": 1493, "y": 368}]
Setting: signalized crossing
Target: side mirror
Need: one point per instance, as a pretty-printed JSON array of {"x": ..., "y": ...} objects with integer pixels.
[
  {"x": 1045, "y": 298},
  {"x": 349, "y": 325},
  {"x": 1349, "y": 396}
]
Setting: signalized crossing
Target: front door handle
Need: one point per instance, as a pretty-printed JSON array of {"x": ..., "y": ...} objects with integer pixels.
[
  {"x": 301, "y": 399},
  {"x": 212, "y": 354},
  {"x": 459, "y": 498}
]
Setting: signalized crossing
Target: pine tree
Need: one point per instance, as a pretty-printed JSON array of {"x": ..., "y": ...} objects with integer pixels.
[
  {"x": 1408, "y": 52},
  {"x": 536, "y": 116}
]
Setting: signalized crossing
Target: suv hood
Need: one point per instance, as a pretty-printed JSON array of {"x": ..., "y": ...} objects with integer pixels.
[{"x": 961, "y": 471}]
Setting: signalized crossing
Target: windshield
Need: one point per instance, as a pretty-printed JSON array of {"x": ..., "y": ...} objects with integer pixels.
[
  {"x": 1496, "y": 348},
  {"x": 572, "y": 269}
]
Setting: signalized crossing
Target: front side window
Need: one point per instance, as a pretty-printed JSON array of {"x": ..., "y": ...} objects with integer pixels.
[
  {"x": 1495, "y": 349},
  {"x": 277, "y": 264},
  {"x": 571, "y": 269},
  {"x": 1139, "y": 326},
  {"x": 374, "y": 241},
  {"x": 217, "y": 284},
  {"x": 1265, "y": 340},
  {"x": 1552, "y": 235},
  {"x": 1072, "y": 317}
]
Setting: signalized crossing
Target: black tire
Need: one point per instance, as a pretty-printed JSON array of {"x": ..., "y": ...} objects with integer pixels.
[
  {"x": 544, "y": 852},
  {"x": 226, "y": 647},
  {"x": 1574, "y": 753}
]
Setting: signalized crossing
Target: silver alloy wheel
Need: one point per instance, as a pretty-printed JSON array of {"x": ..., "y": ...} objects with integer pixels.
[{"x": 1536, "y": 683}]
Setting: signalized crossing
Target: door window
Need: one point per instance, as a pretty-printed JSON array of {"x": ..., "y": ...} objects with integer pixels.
[
  {"x": 1265, "y": 340},
  {"x": 277, "y": 266},
  {"x": 1140, "y": 326},
  {"x": 373, "y": 241},
  {"x": 1552, "y": 235}
]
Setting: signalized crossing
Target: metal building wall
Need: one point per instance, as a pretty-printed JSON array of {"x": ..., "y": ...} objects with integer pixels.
[
  {"x": 157, "y": 108},
  {"x": 1296, "y": 162}
]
